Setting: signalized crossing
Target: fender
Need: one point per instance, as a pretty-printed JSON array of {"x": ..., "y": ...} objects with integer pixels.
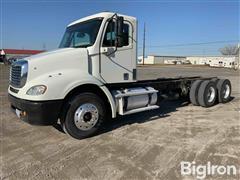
[
  {"x": 110, "y": 99},
  {"x": 101, "y": 90},
  {"x": 90, "y": 80}
]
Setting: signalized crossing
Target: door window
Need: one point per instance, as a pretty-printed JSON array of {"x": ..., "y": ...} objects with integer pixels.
[{"x": 109, "y": 37}]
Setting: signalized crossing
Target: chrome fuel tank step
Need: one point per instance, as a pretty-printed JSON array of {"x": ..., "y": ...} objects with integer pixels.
[{"x": 134, "y": 100}]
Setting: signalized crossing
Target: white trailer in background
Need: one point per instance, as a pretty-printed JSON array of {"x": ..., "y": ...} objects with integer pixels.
[{"x": 214, "y": 61}]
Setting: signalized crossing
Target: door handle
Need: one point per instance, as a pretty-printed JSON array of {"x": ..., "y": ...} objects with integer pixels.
[
  {"x": 107, "y": 50},
  {"x": 104, "y": 50}
]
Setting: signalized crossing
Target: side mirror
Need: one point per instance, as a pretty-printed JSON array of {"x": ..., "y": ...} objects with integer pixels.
[{"x": 119, "y": 31}]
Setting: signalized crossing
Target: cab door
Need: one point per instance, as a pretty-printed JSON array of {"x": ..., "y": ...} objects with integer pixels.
[{"x": 116, "y": 64}]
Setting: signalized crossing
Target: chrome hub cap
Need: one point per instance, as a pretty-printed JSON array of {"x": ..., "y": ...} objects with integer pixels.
[
  {"x": 86, "y": 116},
  {"x": 226, "y": 91},
  {"x": 211, "y": 94}
]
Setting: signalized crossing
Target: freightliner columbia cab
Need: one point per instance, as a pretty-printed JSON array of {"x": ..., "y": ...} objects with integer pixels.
[{"x": 44, "y": 87}]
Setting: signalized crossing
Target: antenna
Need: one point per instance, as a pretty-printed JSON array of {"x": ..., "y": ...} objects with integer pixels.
[
  {"x": 144, "y": 31},
  {"x": 44, "y": 46}
]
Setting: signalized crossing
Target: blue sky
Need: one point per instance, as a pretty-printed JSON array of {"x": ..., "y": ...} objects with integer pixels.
[{"x": 38, "y": 24}]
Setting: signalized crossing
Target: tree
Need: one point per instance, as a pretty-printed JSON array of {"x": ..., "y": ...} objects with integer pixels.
[{"x": 230, "y": 50}]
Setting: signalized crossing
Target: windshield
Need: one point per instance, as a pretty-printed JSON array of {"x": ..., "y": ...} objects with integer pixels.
[{"x": 82, "y": 34}]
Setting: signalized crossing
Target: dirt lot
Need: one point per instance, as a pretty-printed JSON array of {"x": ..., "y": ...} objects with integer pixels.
[{"x": 148, "y": 145}]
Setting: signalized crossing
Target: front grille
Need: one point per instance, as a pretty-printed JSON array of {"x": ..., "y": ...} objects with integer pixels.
[
  {"x": 15, "y": 75},
  {"x": 18, "y": 73}
]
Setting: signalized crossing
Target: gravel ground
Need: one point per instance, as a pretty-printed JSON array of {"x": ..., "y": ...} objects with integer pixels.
[{"x": 147, "y": 145}]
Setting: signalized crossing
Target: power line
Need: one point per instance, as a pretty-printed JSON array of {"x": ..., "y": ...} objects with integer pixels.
[{"x": 190, "y": 44}]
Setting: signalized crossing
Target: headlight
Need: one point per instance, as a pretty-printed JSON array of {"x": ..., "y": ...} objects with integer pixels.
[{"x": 37, "y": 90}]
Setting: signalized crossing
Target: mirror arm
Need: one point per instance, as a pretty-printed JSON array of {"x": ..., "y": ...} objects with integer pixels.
[
  {"x": 115, "y": 30},
  {"x": 118, "y": 32}
]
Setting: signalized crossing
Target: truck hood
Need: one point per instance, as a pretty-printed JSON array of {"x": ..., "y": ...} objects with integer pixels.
[
  {"x": 51, "y": 53},
  {"x": 57, "y": 62}
]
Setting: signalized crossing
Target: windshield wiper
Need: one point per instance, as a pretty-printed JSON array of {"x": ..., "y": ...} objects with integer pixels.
[{"x": 84, "y": 46}]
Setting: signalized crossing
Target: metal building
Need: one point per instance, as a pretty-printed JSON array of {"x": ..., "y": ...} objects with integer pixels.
[
  {"x": 154, "y": 59},
  {"x": 213, "y": 61}
]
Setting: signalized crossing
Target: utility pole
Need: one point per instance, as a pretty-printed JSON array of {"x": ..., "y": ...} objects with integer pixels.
[
  {"x": 238, "y": 55},
  {"x": 144, "y": 31}
]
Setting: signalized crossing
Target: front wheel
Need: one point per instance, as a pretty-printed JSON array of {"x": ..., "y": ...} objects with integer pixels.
[{"x": 85, "y": 116}]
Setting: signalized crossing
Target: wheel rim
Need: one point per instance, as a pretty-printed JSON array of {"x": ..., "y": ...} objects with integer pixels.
[
  {"x": 211, "y": 94},
  {"x": 86, "y": 116},
  {"x": 226, "y": 91}
]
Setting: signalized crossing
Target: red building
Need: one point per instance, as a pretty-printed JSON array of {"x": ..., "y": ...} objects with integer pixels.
[{"x": 6, "y": 54}]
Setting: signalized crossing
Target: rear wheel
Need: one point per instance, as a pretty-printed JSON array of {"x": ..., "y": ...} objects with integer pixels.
[
  {"x": 85, "y": 116},
  {"x": 215, "y": 80},
  {"x": 207, "y": 93},
  {"x": 224, "y": 90},
  {"x": 194, "y": 92}
]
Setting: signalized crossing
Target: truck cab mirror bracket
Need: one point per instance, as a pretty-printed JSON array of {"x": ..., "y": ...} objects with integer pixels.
[
  {"x": 107, "y": 50},
  {"x": 119, "y": 31}
]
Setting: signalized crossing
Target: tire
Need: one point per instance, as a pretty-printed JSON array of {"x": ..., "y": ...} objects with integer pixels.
[
  {"x": 207, "y": 93},
  {"x": 64, "y": 128},
  {"x": 194, "y": 92},
  {"x": 85, "y": 116},
  {"x": 224, "y": 90},
  {"x": 215, "y": 80}
]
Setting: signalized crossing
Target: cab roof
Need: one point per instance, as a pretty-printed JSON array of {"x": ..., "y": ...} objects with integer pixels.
[{"x": 99, "y": 15}]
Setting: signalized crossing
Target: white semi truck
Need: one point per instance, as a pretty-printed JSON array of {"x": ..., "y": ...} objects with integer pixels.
[{"x": 92, "y": 78}]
